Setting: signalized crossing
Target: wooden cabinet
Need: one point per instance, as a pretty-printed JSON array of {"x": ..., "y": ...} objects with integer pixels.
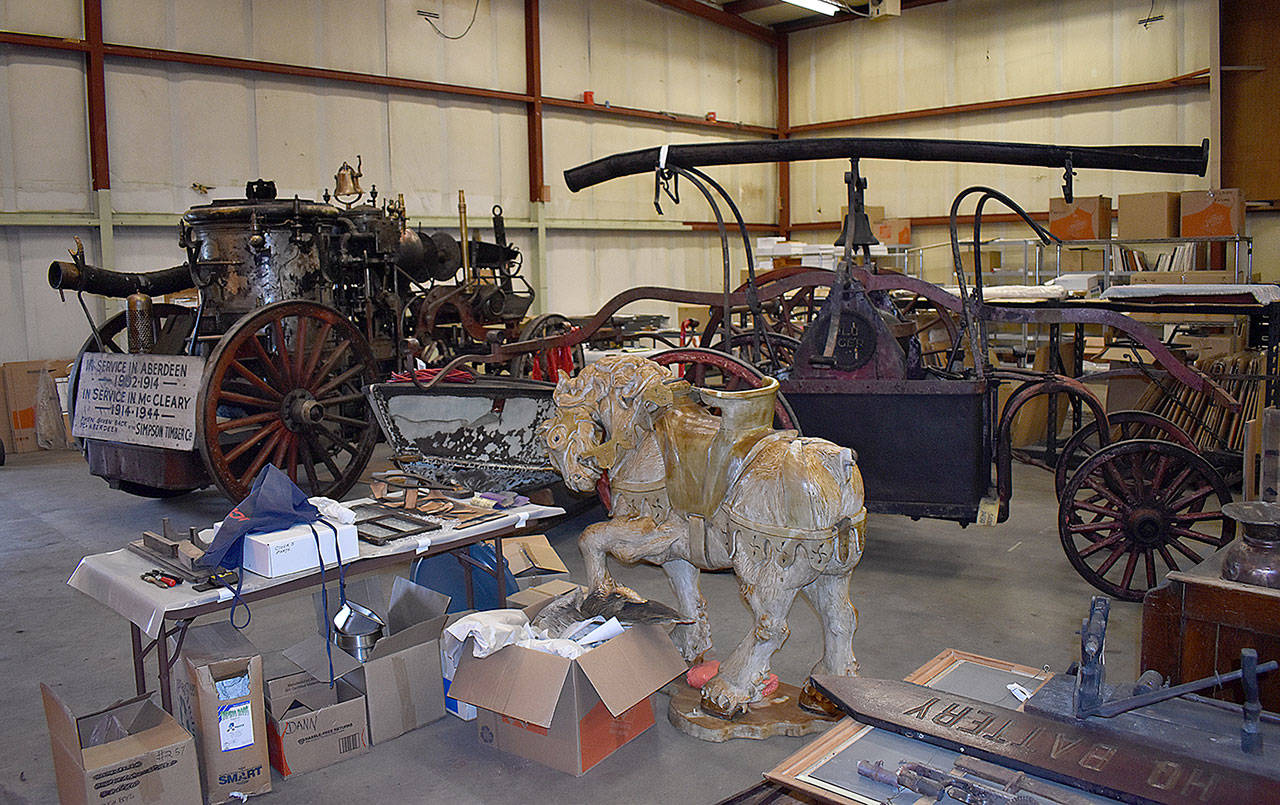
[{"x": 1195, "y": 624}]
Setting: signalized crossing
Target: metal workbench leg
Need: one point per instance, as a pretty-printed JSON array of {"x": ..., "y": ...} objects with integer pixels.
[
  {"x": 139, "y": 658},
  {"x": 469, "y": 582},
  {"x": 162, "y": 659},
  {"x": 500, "y": 568}
]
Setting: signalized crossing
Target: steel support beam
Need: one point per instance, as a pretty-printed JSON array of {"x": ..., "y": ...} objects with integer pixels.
[
  {"x": 533, "y": 88},
  {"x": 96, "y": 95},
  {"x": 782, "y": 74},
  {"x": 1194, "y": 79}
]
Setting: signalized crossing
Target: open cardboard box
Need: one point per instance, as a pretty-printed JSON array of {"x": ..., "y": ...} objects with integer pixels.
[
  {"x": 220, "y": 701},
  {"x": 401, "y": 678},
  {"x": 567, "y": 714},
  {"x": 525, "y": 599},
  {"x": 131, "y": 751},
  {"x": 311, "y": 725},
  {"x": 532, "y": 560}
]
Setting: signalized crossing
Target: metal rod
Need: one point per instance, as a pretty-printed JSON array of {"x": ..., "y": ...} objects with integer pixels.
[{"x": 1115, "y": 708}]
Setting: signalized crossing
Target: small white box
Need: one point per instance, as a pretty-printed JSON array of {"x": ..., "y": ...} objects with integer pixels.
[{"x": 292, "y": 550}]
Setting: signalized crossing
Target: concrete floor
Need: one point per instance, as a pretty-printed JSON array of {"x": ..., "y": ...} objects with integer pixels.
[{"x": 1005, "y": 592}]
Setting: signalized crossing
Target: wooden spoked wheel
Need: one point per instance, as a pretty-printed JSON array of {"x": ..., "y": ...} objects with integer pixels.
[
  {"x": 1136, "y": 510},
  {"x": 709, "y": 368},
  {"x": 1124, "y": 425},
  {"x": 284, "y": 386},
  {"x": 937, "y": 329}
]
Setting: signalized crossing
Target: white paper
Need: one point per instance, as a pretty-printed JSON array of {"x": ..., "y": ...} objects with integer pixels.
[
  {"x": 594, "y": 630},
  {"x": 235, "y": 726}
]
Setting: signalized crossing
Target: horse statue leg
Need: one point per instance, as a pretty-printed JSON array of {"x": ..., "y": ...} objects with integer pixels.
[
  {"x": 694, "y": 639},
  {"x": 630, "y": 540},
  {"x": 829, "y": 594},
  {"x": 769, "y": 585}
]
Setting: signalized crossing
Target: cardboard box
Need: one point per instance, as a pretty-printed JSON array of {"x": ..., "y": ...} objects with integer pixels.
[
  {"x": 220, "y": 701},
  {"x": 1212, "y": 213},
  {"x": 291, "y": 550},
  {"x": 21, "y": 381},
  {"x": 130, "y": 752},
  {"x": 1123, "y": 393},
  {"x": 1081, "y": 259},
  {"x": 568, "y": 714},
  {"x": 1087, "y": 218},
  {"x": 532, "y": 560},
  {"x": 699, "y": 313},
  {"x": 311, "y": 725},
  {"x": 1148, "y": 215},
  {"x": 401, "y": 678},
  {"x": 991, "y": 260},
  {"x": 531, "y": 597},
  {"x": 893, "y": 231}
]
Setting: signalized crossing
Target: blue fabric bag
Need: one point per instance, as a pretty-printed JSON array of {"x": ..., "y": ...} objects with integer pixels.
[{"x": 274, "y": 503}]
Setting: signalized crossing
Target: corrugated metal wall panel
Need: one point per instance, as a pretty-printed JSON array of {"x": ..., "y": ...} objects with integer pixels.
[
  {"x": 439, "y": 146},
  {"x": 49, "y": 168},
  {"x": 641, "y": 55},
  {"x": 491, "y": 55},
  {"x": 586, "y": 269},
  {"x": 34, "y": 322},
  {"x": 48, "y": 17},
  {"x": 953, "y": 53}
]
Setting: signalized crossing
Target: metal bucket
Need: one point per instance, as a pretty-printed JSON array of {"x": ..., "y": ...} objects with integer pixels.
[{"x": 356, "y": 629}]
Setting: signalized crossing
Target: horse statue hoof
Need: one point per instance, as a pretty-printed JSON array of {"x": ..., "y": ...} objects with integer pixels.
[
  {"x": 721, "y": 708},
  {"x": 812, "y": 700}
]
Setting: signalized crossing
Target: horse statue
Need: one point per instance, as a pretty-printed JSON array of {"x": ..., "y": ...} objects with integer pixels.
[{"x": 692, "y": 490}]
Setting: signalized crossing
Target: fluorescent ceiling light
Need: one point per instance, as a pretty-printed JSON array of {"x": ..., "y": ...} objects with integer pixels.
[{"x": 820, "y": 6}]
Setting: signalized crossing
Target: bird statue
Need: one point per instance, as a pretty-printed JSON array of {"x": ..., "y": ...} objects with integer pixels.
[{"x": 577, "y": 605}]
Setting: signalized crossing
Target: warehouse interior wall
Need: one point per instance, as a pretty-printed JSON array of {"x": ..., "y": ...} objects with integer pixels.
[
  {"x": 172, "y": 127},
  {"x": 948, "y": 54}
]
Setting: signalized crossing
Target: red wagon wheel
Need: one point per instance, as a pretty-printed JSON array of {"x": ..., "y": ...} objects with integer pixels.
[
  {"x": 1124, "y": 425},
  {"x": 710, "y": 368},
  {"x": 1139, "y": 508},
  {"x": 284, "y": 386}
]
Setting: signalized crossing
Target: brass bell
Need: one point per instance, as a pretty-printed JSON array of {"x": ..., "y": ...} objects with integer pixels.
[{"x": 347, "y": 183}]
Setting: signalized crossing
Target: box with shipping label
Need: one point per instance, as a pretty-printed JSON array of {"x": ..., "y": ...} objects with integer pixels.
[
  {"x": 532, "y": 560},
  {"x": 1148, "y": 215},
  {"x": 893, "y": 231},
  {"x": 311, "y": 724},
  {"x": 220, "y": 700},
  {"x": 130, "y": 752},
  {"x": 567, "y": 714},
  {"x": 1086, "y": 218},
  {"x": 1212, "y": 213},
  {"x": 291, "y": 550},
  {"x": 400, "y": 677},
  {"x": 21, "y": 383}
]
